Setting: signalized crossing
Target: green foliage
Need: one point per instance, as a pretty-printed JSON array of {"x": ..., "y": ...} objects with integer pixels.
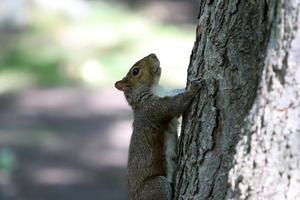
[
  {"x": 41, "y": 61},
  {"x": 7, "y": 160},
  {"x": 55, "y": 48}
]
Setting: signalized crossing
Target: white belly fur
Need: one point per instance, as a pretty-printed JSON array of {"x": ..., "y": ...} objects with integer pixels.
[{"x": 170, "y": 133}]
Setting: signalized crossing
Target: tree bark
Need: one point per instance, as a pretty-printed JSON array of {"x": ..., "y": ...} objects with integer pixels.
[{"x": 240, "y": 139}]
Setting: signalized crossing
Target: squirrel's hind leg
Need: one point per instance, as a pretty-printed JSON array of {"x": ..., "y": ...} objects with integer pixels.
[{"x": 156, "y": 188}]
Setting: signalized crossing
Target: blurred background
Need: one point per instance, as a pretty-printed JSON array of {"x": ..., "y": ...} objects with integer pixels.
[{"x": 64, "y": 128}]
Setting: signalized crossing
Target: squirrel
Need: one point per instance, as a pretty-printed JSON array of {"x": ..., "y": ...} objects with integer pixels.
[{"x": 152, "y": 150}]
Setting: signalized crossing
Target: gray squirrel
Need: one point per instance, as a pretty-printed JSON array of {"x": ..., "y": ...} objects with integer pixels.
[{"x": 152, "y": 150}]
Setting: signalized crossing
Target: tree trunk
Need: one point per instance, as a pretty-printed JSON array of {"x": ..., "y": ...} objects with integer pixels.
[{"x": 241, "y": 137}]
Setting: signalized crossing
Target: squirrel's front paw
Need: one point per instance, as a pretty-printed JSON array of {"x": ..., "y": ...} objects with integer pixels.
[{"x": 197, "y": 83}]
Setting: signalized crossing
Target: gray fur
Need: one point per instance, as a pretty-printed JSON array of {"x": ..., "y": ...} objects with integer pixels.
[
  {"x": 170, "y": 133},
  {"x": 152, "y": 150},
  {"x": 154, "y": 123}
]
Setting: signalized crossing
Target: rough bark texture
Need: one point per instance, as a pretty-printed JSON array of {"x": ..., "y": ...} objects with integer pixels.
[
  {"x": 241, "y": 50},
  {"x": 267, "y": 162}
]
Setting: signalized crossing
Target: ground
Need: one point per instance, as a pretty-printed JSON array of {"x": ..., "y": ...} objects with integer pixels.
[{"x": 66, "y": 143}]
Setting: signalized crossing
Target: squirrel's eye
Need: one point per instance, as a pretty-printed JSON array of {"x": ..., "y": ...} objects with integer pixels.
[{"x": 135, "y": 71}]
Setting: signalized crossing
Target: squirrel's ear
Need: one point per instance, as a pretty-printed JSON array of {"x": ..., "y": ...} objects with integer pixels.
[{"x": 122, "y": 85}]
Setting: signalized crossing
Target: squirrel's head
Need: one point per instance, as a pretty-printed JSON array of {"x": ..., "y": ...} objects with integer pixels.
[{"x": 145, "y": 72}]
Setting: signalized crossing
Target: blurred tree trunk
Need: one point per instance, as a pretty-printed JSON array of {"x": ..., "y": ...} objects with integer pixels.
[{"x": 241, "y": 137}]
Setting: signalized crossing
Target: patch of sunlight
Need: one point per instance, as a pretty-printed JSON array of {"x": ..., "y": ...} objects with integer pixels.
[
  {"x": 103, "y": 35},
  {"x": 60, "y": 176},
  {"x": 75, "y": 9},
  {"x": 174, "y": 55},
  {"x": 120, "y": 139},
  {"x": 10, "y": 81},
  {"x": 91, "y": 72},
  {"x": 136, "y": 28},
  {"x": 105, "y": 157}
]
